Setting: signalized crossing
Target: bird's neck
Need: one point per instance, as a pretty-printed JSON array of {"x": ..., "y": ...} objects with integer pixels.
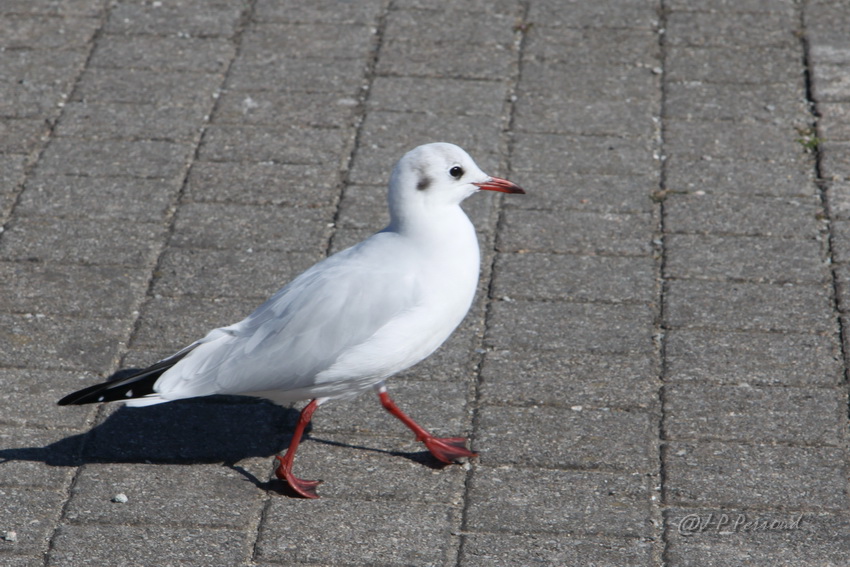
[{"x": 449, "y": 226}]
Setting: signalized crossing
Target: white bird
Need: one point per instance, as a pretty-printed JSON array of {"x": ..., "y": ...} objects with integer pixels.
[{"x": 349, "y": 322}]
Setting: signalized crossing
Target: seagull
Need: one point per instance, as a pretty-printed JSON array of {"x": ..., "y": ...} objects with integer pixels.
[{"x": 349, "y": 322}]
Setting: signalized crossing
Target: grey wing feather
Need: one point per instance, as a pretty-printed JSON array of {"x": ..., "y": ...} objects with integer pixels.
[{"x": 301, "y": 330}]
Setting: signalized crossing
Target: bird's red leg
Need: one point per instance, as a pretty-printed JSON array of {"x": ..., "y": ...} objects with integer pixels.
[
  {"x": 446, "y": 449},
  {"x": 305, "y": 488}
]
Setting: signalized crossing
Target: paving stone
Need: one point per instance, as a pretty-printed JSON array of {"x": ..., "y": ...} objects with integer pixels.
[
  {"x": 47, "y": 341},
  {"x": 22, "y": 135},
  {"x": 101, "y": 198},
  {"x": 739, "y": 215},
  {"x": 385, "y": 533},
  {"x": 829, "y": 80},
  {"x": 834, "y": 122},
  {"x": 184, "y": 18},
  {"x": 611, "y": 82},
  {"x": 312, "y": 75},
  {"x": 102, "y": 121},
  {"x": 471, "y": 7},
  {"x": 838, "y": 197},
  {"x": 40, "y": 32},
  {"x": 38, "y": 458},
  {"x": 831, "y": 83},
  {"x": 729, "y": 475},
  {"x": 161, "y": 88},
  {"x": 731, "y": 140},
  {"x": 788, "y": 539},
  {"x": 596, "y": 155},
  {"x": 81, "y": 545},
  {"x": 576, "y": 327},
  {"x": 285, "y": 108},
  {"x": 48, "y": 239},
  {"x": 592, "y": 45},
  {"x": 825, "y": 16},
  {"x": 35, "y": 82},
  {"x": 723, "y": 357},
  {"x": 228, "y": 273},
  {"x": 734, "y": 6},
  {"x": 738, "y": 413},
  {"x": 558, "y": 502},
  {"x": 42, "y": 389},
  {"x": 239, "y": 227},
  {"x": 425, "y": 59},
  {"x": 842, "y": 286},
  {"x": 742, "y": 177},
  {"x": 835, "y": 163},
  {"x": 591, "y": 232},
  {"x": 600, "y": 193},
  {"x": 307, "y": 40},
  {"x": 170, "y": 323},
  {"x": 574, "y": 278},
  {"x": 23, "y": 560},
  {"x": 608, "y": 13},
  {"x": 757, "y": 259},
  {"x": 736, "y": 65},
  {"x": 560, "y": 438},
  {"x": 540, "y": 112},
  {"x": 262, "y": 183},
  {"x": 778, "y": 28},
  {"x": 415, "y": 43},
  {"x": 777, "y": 104},
  {"x": 296, "y": 145},
  {"x": 54, "y": 7},
  {"x": 551, "y": 550},
  {"x": 319, "y": 11},
  {"x": 11, "y": 179},
  {"x": 198, "y": 55},
  {"x": 163, "y": 495},
  {"x": 559, "y": 379},
  {"x": 31, "y": 514},
  {"x": 840, "y": 231},
  {"x": 137, "y": 158},
  {"x": 438, "y": 96},
  {"x": 749, "y": 306},
  {"x": 93, "y": 291}
]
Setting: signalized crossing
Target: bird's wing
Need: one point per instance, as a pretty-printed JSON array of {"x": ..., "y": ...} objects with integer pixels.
[{"x": 302, "y": 329}]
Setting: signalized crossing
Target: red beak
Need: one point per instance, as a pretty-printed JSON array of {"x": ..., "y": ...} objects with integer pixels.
[{"x": 501, "y": 185}]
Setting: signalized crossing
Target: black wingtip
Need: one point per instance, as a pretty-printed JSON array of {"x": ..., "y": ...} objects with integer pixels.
[{"x": 138, "y": 384}]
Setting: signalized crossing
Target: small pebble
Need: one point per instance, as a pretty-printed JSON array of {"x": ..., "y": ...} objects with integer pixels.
[
  {"x": 11, "y": 536},
  {"x": 120, "y": 498}
]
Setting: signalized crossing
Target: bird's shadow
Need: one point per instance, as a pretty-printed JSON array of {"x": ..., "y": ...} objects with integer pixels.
[{"x": 215, "y": 429}]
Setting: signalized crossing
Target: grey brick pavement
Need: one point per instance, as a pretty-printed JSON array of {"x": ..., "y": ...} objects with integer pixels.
[{"x": 654, "y": 371}]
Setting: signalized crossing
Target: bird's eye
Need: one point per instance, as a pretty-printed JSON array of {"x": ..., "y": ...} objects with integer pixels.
[{"x": 456, "y": 172}]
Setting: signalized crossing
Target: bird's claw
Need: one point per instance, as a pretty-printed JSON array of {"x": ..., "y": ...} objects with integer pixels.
[
  {"x": 448, "y": 449},
  {"x": 304, "y": 488}
]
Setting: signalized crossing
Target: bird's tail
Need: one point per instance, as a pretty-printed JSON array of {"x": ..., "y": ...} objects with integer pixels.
[{"x": 136, "y": 385}]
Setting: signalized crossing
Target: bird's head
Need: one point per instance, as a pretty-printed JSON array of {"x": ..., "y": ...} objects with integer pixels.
[{"x": 438, "y": 175}]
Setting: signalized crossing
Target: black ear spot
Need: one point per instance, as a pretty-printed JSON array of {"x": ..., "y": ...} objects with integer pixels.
[{"x": 424, "y": 183}]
